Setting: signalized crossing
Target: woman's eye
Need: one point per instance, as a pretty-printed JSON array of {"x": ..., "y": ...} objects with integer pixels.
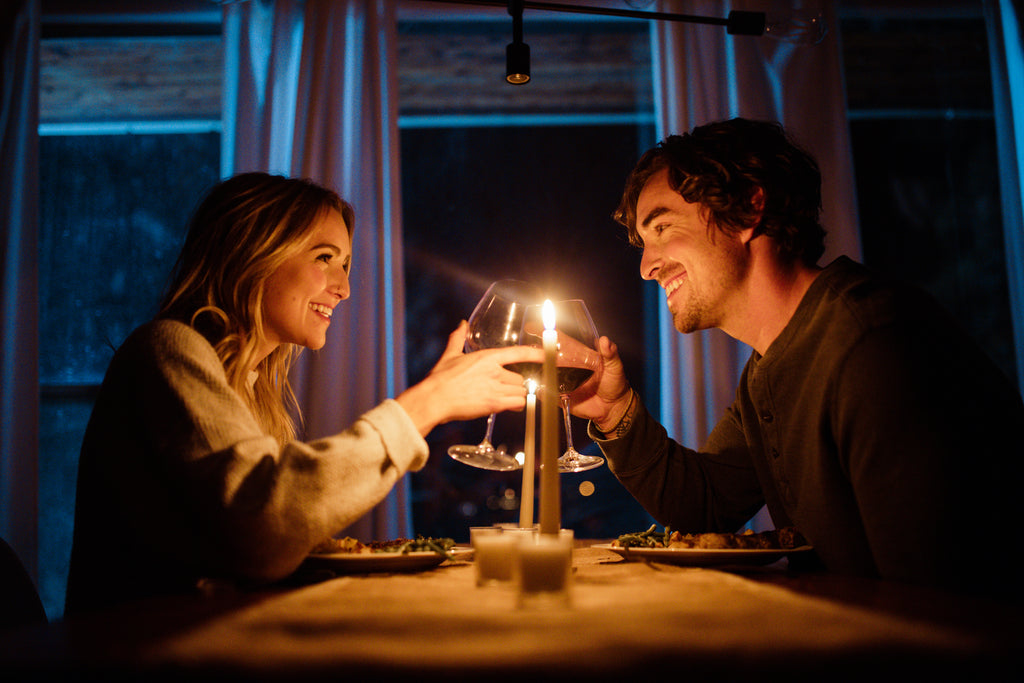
[{"x": 326, "y": 258}]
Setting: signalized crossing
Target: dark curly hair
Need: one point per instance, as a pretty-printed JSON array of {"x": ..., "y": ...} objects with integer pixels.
[{"x": 721, "y": 166}]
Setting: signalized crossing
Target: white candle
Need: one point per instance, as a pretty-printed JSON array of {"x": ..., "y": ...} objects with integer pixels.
[
  {"x": 550, "y": 505},
  {"x": 543, "y": 570},
  {"x": 529, "y": 456},
  {"x": 545, "y": 564},
  {"x": 493, "y": 554}
]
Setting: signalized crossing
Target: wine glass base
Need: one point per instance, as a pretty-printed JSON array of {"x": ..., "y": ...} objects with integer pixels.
[
  {"x": 577, "y": 462},
  {"x": 486, "y": 459}
]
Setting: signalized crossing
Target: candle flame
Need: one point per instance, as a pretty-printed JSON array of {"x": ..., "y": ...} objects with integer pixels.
[
  {"x": 548, "y": 314},
  {"x": 531, "y": 386}
]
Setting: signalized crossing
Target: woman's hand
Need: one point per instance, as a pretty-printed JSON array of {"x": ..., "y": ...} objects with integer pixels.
[{"x": 465, "y": 386}]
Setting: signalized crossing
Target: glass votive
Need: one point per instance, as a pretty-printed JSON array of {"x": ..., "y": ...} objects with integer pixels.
[
  {"x": 520, "y": 532},
  {"x": 512, "y": 526},
  {"x": 544, "y": 570},
  {"x": 493, "y": 552}
]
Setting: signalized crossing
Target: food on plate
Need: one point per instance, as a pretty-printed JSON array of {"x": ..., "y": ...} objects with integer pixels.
[
  {"x": 340, "y": 545},
  {"x": 785, "y": 538},
  {"x": 350, "y": 545}
]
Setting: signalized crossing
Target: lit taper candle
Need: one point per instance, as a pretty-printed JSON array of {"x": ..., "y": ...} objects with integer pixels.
[
  {"x": 550, "y": 504},
  {"x": 529, "y": 456}
]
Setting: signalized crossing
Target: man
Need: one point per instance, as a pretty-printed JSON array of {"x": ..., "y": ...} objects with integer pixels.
[{"x": 865, "y": 416}]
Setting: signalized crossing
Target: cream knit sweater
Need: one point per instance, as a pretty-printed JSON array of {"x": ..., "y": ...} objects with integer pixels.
[{"x": 178, "y": 483}]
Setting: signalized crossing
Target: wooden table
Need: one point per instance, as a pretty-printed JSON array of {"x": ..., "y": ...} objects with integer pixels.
[{"x": 627, "y": 620}]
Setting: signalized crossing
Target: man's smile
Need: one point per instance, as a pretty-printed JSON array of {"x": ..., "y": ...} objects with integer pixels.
[{"x": 673, "y": 284}]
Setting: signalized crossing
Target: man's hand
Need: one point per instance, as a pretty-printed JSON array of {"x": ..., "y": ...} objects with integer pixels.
[{"x": 604, "y": 398}]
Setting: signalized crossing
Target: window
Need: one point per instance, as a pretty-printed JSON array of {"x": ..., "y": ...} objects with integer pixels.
[
  {"x": 924, "y": 144},
  {"x": 503, "y": 181}
]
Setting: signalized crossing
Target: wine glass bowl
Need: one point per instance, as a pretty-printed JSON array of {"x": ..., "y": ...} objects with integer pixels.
[
  {"x": 496, "y": 321},
  {"x": 577, "y": 360}
]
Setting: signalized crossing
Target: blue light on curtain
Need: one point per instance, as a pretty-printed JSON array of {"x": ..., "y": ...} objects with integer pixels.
[
  {"x": 1007, "y": 58},
  {"x": 19, "y": 286}
]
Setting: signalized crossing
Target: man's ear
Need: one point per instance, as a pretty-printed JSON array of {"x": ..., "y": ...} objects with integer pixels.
[
  {"x": 757, "y": 205},
  {"x": 757, "y": 200}
]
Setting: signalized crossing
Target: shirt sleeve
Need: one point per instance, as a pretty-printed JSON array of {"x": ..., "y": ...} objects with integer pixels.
[{"x": 714, "y": 489}]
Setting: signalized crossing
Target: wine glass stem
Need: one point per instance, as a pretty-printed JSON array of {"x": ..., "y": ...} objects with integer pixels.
[
  {"x": 486, "y": 443},
  {"x": 568, "y": 425}
]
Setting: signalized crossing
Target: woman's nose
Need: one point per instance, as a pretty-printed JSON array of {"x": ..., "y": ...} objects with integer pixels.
[{"x": 340, "y": 285}]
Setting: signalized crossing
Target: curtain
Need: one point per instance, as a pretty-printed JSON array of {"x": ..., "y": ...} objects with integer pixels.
[
  {"x": 702, "y": 74},
  {"x": 310, "y": 91},
  {"x": 19, "y": 294},
  {"x": 1004, "y": 19}
]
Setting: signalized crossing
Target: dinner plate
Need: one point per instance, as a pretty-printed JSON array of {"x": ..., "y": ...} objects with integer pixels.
[
  {"x": 357, "y": 563},
  {"x": 705, "y": 557}
]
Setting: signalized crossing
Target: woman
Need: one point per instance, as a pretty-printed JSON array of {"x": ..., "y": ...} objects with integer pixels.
[{"x": 190, "y": 469}]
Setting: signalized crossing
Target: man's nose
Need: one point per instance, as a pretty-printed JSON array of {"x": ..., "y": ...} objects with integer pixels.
[{"x": 650, "y": 264}]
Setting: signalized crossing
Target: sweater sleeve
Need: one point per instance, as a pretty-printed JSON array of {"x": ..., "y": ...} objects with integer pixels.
[{"x": 194, "y": 470}]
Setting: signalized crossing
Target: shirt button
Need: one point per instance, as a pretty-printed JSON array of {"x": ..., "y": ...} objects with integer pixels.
[
  {"x": 766, "y": 417},
  {"x": 775, "y": 453}
]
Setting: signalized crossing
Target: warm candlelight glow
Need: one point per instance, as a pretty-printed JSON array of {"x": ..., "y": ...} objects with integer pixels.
[{"x": 547, "y": 313}]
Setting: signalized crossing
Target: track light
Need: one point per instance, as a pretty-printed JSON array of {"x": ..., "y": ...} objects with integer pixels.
[
  {"x": 517, "y": 54},
  {"x": 802, "y": 27}
]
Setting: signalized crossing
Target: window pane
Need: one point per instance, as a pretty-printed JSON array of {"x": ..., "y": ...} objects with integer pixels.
[
  {"x": 113, "y": 216},
  {"x": 62, "y": 422}
]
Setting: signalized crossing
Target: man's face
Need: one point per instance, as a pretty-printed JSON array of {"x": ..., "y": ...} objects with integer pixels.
[{"x": 700, "y": 268}]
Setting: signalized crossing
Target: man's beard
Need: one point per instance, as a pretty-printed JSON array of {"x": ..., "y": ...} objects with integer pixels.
[{"x": 689, "y": 317}]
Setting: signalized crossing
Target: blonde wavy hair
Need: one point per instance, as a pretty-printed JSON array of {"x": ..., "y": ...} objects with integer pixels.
[{"x": 241, "y": 232}]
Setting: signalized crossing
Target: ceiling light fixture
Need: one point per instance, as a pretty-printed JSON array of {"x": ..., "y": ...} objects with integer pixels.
[
  {"x": 517, "y": 53},
  {"x": 801, "y": 27}
]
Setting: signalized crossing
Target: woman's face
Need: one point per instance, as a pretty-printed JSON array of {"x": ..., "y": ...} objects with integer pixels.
[{"x": 301, "y": 294}]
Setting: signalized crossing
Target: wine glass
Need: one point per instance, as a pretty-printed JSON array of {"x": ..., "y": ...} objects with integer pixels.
[
  {"x": 496, "y": 321},
  {"x": 577, "y": 360}
]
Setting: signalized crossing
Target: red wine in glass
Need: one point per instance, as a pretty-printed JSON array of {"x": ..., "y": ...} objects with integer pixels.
[
  {"x": 578, "y": 358},
  {"x": 496, "y": 321}
]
